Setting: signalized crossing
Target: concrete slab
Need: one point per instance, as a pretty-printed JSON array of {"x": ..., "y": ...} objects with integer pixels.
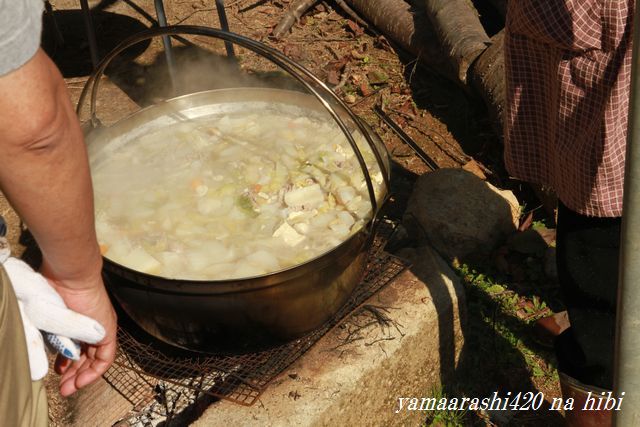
[
  {"x": 355, "y": 374},
  {"x": 96, "y": 405}
]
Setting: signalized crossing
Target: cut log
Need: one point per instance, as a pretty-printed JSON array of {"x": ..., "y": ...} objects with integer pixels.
[
  {"x": 412, "y": 30},
  {"x": 487, "y": 80},
  {"x": 408, "y": 27},
  {"x": 459, "y": 31}
]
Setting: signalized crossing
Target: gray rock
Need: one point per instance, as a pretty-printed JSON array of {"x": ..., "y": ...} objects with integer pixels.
[
  {"x": 462, "y": 216},
  {"x": 528, "y": 242}
]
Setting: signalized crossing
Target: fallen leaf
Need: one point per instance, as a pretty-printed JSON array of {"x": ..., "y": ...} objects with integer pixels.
[
  {"x": 333, "y": 77},
  {"x": 357, "y": 55},
  {"x": 377, "y": 77},
  {"x": 406, "y": 108},
  {"x": 350, "y": 98},
  {"x": 365, "y": 89},
  {"x": 337, "y": 65},
  {"x": 355, "y": 28},
  {"x": 383, "y": 43},
  {"x": 401, "y": 121},
  {"x": 293, "y": 51}
]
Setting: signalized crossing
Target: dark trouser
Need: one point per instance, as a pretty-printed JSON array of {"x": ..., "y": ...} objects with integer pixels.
[{"x": 587, "y": 258}]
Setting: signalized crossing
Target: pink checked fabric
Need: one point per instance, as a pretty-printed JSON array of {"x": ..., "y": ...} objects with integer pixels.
[{"x": 568, "y": 69}]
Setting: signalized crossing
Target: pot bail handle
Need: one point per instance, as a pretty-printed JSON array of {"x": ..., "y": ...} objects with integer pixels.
[{"x": 313, "y": 84}]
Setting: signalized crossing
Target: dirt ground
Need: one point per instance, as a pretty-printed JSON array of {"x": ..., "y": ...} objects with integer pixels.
[{"x": 366, "y": 71}]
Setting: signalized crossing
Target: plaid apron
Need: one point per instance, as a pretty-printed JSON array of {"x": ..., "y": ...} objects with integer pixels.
[{"x": 568, "y": 70}]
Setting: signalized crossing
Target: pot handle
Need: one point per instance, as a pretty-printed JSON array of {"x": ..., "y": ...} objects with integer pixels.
[{"x": 304, "y": 76}]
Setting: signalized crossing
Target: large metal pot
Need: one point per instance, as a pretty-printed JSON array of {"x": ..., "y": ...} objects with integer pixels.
[{"x": 241, "y": 314}]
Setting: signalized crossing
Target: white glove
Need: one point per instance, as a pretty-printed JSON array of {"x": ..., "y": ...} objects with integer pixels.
[{"x": 42, "y": 309}]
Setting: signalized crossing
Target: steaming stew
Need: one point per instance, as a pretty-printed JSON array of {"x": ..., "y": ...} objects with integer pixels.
[{"x": 231, "y": 196}]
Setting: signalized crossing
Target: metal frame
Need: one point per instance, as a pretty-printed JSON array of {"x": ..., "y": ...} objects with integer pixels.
[{"x": 162, "y": 22}]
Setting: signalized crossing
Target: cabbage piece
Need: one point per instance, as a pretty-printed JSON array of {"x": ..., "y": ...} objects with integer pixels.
[
  {"x": 322, "y": 220},
  {"x": 263, "y": 260},
  {"x": 245, "y": 204},
  {"x": 308, "y": 197},
  {"x": 173, "y": 263},
  {"x": 345, "y": 195},
  {"x": 142, "y": 261}
]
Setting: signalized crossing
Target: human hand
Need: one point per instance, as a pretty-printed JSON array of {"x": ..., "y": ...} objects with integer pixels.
[{"x": 90, "y": 299}]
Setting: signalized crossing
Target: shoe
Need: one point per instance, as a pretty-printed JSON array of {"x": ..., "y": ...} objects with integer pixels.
[
  {"x": 588, "y": 404},
  {"x": 547, "y": 328}
]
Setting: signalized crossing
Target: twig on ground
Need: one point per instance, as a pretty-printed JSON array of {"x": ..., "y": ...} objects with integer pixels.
[
  {"x": 364, "y": 98},
  {"x": 244, "y": 22},
  {"x": 319, "y": 39},
  {"x": 383, "y": 350},
  {"x": 291, "y": 16},
  {"x": 369, "y": 344},
  {"x": 380, "y": 314},
  {"x": 414, "y": 64},
  {"x": 252, "y": 6},
  {"x": 358, "y": 326},
  {"x": 345, "y": 76},
  {"x": 195, "y": 12},
  {"x": 353, "y": 15},
  {"x": 332, "y": 51},
  {"x": 350, "y": 339}
]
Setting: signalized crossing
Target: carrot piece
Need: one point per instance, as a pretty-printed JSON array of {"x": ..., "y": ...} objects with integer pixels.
[{"x": 195, "y": 183}]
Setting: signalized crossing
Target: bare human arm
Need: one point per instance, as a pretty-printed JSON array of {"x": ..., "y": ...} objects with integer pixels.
[{"x": 44, "y": 174}]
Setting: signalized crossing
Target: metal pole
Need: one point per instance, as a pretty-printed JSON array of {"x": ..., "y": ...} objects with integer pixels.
[
  {"x": 91, "y": 33},
  {"x": 168, "y": 49},
  {"x": 224, "y": 24},
  {"x": 627, "y": 355}
]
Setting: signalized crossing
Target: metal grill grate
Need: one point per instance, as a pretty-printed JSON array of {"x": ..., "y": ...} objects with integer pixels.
[{"x": 147, "y": 372}]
